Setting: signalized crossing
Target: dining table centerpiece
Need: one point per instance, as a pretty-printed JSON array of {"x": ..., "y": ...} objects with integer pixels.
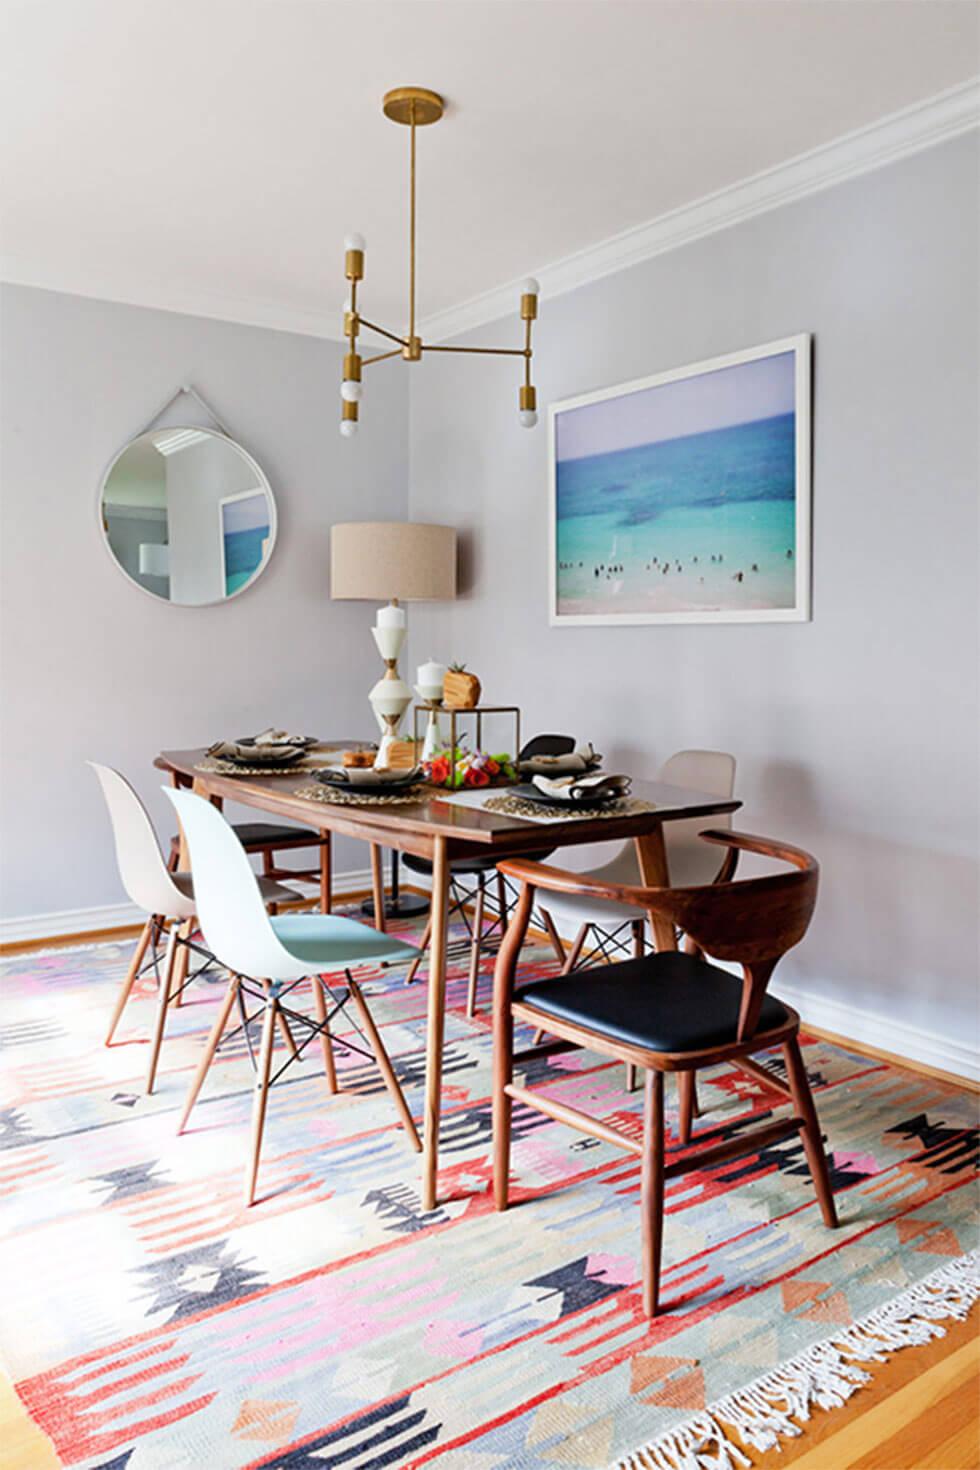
[{"x": 459, "y": 768}]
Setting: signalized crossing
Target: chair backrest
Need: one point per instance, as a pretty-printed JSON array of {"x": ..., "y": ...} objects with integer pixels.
[
  {"x": 230, "y": 910},
  {"x": 141, "y": 867},
  {"x": 689, "y": 860},
  {"x": 547, "y": 745},
  {"x": 752, "y": 922}
]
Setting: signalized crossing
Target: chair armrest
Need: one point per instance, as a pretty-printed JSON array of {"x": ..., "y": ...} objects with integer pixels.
[
  {"x": 559, "y": 880},
  {"x": 764, "y": 846}
]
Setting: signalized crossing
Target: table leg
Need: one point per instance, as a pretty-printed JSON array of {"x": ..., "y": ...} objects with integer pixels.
[
  {"x": 378, "y": 888},
  {"x": 182, "y": 960},
  {"x": 651, "y": 854},
  {"x": 436, "y": 1022},
  {"x": 326, "y": 896},
  {"x": 181, "y": 963}
]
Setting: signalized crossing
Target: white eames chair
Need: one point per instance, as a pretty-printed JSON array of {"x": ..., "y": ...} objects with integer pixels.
[
  {"x": 268, "y": 957},
  {"x": 690, "y": 863},
  {"x": 166, "y": 897}
]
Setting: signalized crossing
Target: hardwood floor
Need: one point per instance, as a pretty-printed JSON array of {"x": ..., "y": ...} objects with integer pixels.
[
  {"x": 22, "y": 1445},
  {"x": 921, "y": 1411}
]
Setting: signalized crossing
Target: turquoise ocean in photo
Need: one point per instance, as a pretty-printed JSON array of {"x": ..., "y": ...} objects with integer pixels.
[{"x": 706, "y": 506}]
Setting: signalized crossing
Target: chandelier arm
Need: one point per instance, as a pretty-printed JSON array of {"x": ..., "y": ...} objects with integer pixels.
[
  {"x": 491, "y": 351},
  {"x": 381, "y": 357},
  {"x": 382, "y": 331}
]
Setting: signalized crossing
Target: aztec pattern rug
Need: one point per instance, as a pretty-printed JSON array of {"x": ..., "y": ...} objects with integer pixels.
[{"x": 149, "y": 1320}]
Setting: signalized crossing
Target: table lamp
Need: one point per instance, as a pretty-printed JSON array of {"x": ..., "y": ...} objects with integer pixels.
[{"x": 392, "y": 562}]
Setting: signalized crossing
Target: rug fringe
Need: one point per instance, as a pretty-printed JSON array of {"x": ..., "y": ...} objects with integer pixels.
[{"x": 826, "y": 1374}]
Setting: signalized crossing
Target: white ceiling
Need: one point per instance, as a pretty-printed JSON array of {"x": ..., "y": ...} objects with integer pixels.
[{"x": 211, "y": 154}]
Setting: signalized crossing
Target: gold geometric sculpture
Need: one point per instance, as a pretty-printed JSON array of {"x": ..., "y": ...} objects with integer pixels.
[{"x": 416, "y": 107}]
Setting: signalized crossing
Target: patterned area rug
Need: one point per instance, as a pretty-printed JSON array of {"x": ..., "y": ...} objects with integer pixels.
[{"x": 149, "y": 1320}]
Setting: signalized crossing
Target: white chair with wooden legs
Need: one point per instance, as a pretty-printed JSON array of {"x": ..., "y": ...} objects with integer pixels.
[
  {"x": 268, "y": 957},
  {"x": 617, "y": 930},
  {"x": 166, "y": 897}
]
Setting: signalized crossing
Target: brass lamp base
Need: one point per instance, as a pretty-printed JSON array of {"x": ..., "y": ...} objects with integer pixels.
[{"x": 413, "y": 105}]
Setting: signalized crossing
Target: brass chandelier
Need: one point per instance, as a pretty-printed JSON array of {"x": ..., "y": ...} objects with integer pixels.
[{"x": 415, "y": 107}]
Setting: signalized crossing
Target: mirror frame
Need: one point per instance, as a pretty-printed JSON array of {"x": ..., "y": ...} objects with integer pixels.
[{"x": 263, "y": 483}]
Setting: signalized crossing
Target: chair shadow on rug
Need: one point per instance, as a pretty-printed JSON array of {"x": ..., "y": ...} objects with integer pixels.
[{"x": 668, "y": 1012}]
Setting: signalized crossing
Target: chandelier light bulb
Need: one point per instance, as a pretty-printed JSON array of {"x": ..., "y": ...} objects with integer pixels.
[
  {"x": 528, "y": 418},
  {"x": 348, "y": 427},
  {"x": 350, "y": 391},
  {"x": 354, "y": 242},
  {"x": 530, "y": 287}
]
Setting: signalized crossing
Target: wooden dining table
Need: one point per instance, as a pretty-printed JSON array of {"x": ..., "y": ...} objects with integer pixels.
[{"x": 440, "y": 830}]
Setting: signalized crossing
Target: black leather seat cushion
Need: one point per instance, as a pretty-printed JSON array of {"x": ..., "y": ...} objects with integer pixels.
[
  {"x": 467, "y": 865},
  {"x": 664, "y": 1002},
  {"x": 267, "y": 834}
]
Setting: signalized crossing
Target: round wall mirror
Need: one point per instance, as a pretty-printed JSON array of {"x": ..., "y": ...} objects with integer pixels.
[{"x": 188, "y": 515}]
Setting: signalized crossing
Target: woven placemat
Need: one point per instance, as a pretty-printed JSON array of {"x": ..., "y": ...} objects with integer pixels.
[
  {"x": 315, "y": 757},
  {"x": 514, "y": 806},
  {"x": 230, "y": 768},
  {"x": 334, "y": 796}
]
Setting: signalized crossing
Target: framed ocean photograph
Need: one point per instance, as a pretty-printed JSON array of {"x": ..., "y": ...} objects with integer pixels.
[
  {"x": 245, "y": 530},
  {"x": 685, "y": 497}
]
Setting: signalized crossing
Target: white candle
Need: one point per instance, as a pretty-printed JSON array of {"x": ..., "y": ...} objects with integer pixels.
[
  {"x": 391, "y": 616},
  {"x": 431, "y": 674}
]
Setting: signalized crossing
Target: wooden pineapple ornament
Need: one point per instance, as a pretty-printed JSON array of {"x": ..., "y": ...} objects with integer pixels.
[{"x": 460, "y": 690}]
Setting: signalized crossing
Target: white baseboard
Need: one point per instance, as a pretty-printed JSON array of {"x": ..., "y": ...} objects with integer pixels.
[
  {"x": 26, "y": 928},
  {"x": 885, "y": 1033},
  {"x": 869, "y": 1028}
]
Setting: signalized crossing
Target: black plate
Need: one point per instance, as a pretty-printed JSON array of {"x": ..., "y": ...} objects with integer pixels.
[
  {"x": 364, "y": 788},
  {"x": 529, "y": 792},
  {"x": 302, "y": 742},
  {"x": 252, "y": 762}
]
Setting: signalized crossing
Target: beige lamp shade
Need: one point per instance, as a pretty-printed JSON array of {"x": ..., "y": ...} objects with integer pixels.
[{"x": 381, "y": 561}]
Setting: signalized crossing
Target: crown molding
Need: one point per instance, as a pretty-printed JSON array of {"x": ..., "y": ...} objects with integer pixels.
[
  {"x": 893, "y": 137},
  {"x": 896, "y": 136},
  {"x": 245, "y": 311}
]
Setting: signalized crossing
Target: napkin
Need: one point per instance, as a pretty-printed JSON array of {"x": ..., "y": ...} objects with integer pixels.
[
  {"x": 273, "y": 737},
  {"x": 582, "y": 758},
  {"x": 247, "y": 750},
  {"x": 577, "y": 788},
  {"x": 366, "y": 776}
]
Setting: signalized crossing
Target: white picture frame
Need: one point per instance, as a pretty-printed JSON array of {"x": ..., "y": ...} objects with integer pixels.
[{"x": 708, "y": 589}]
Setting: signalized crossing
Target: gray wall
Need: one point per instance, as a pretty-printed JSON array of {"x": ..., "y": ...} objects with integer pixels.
[
  {"x": 91, "y": 666},
  {"x": 856, "y": 733}
]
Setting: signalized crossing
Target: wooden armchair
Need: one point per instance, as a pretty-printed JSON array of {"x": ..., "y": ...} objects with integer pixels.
[{"x": 667, "y": 1012}]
